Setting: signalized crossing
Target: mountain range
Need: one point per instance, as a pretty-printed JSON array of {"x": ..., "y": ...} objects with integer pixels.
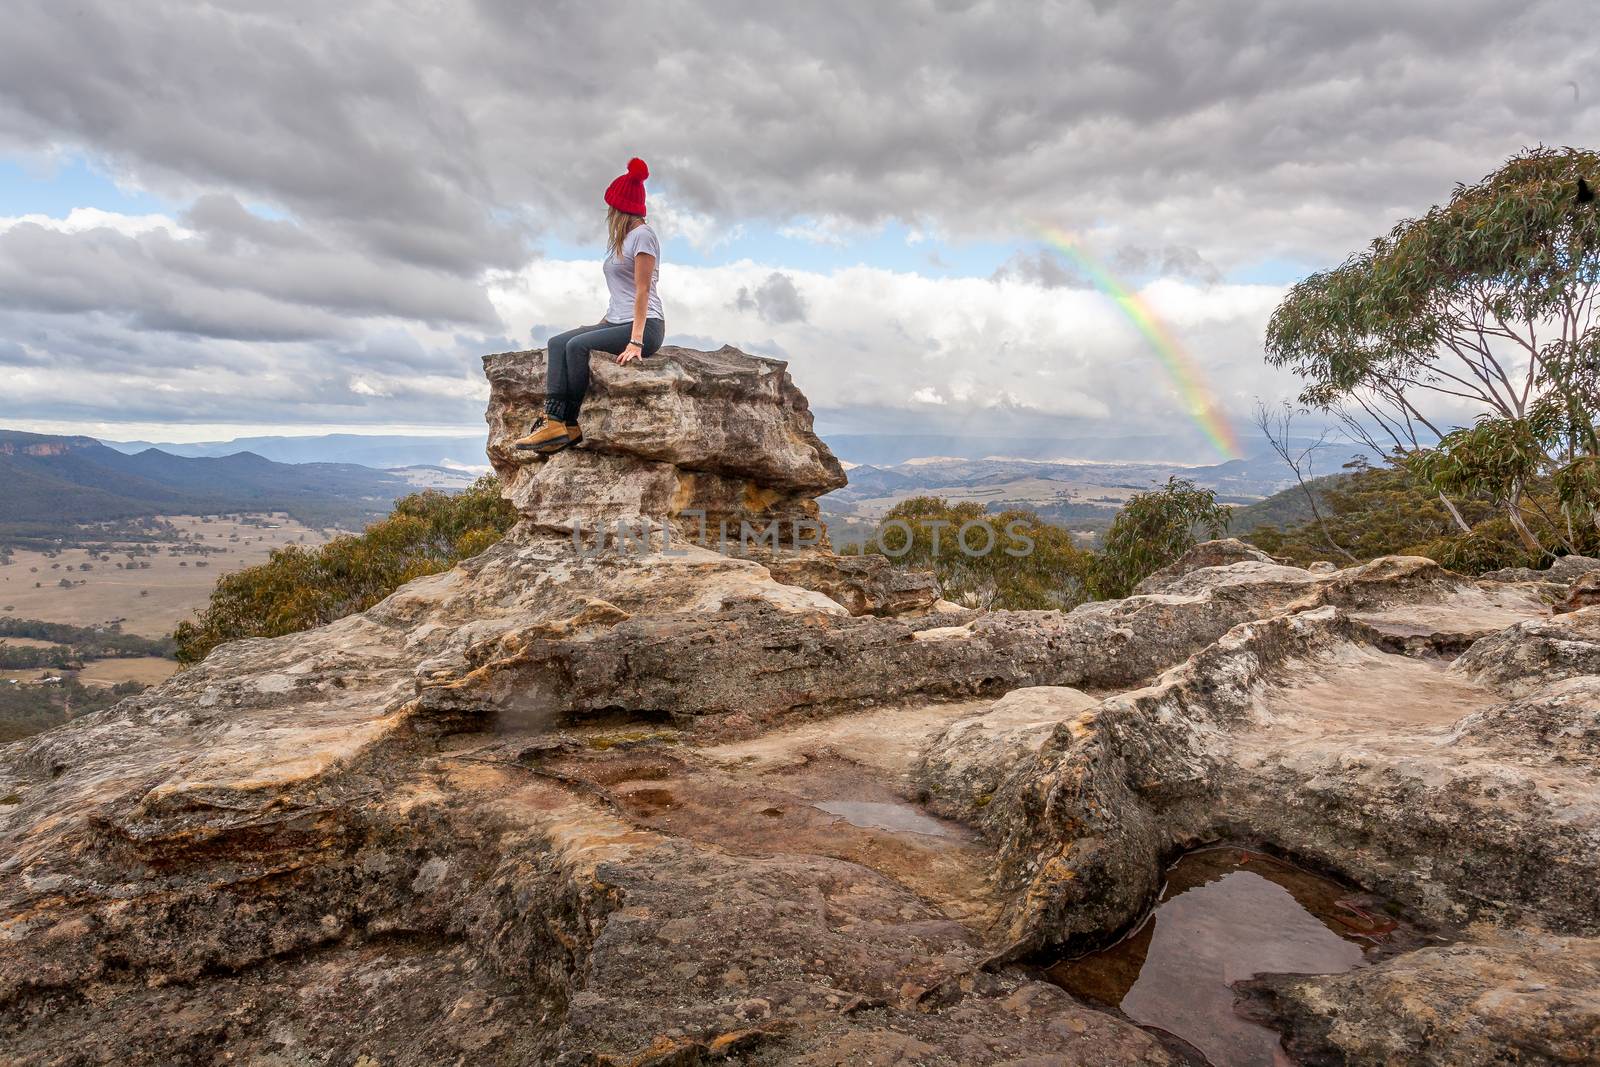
[
  {"x": 887, "y": 449},
  {"x": 49, "y": 483},
  {"x": 465, "y": 451},
  {"x": 382, "y": 451}
]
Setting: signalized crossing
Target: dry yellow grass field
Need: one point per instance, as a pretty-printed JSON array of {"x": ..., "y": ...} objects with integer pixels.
[
  {"x": 146, "y": 670},
  {"x": 149, "y": 601}
]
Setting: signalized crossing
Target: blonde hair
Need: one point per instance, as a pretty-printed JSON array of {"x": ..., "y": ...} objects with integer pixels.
[{"x": 618, "y": 223}]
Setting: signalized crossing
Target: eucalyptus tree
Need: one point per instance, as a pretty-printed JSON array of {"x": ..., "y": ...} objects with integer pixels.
[
  {"x": 1484, "y": 306},
  {"x": 1152, "y": 530}
]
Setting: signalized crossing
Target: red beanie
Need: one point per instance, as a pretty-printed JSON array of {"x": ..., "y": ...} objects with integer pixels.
[{"x": 627, "y": 192}]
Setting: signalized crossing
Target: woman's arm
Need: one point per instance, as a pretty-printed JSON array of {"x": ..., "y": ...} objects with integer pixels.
[{"x": 644, "y": 265}]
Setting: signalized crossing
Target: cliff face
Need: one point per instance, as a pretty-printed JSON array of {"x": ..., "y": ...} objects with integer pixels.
[{"x": 575, "y": 804}]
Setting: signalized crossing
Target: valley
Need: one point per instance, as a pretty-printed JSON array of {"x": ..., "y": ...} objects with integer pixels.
[
  {"x": 1082, "y": 496},
  {"x": 148, "y": 587},
  {"x": 140, "y": 588}
]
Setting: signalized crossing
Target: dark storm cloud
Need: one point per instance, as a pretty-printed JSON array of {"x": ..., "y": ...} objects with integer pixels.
[
  {"x": 95, "y": 368},
  {"x": 1173, "y": 261},
  {"x": 235, "y": 276},
  {"x": 1041, "y": 267},
  {"x": 775, "y": 300},
  {"x": 410, "y": 152},
  {"x": 441, "y": 136},
  {"x": 319, "y": 108}
]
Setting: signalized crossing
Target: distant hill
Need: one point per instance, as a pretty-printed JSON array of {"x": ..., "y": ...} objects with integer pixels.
[
  {"x": 369, "y": 450},
  {"x": 1282, "y": 509},
  {"x": 51, "y": 483},
  {"x": 1082, "y": 496},
  {"x": 1237, "y": 481},
  {"x": 887, "y": 450}
]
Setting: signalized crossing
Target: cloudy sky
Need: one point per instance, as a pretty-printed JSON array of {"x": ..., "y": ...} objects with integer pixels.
[{"x": 226, "y": 217}]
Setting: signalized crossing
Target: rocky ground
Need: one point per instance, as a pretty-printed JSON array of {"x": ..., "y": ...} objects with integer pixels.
[{"x": 665, "y": 805}]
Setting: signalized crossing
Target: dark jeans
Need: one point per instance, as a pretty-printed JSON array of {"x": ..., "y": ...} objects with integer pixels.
[{"x": 567, "y": 377}]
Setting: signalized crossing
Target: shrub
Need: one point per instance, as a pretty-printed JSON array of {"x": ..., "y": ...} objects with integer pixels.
[
  {"x": 1034, "y": 564},
  {"x": 1030, "y": 564},
  {"x": 1391, "y": 510},
  {"x": 1480, "y": 307},
  {"x": 1152, "y": 530},
  {"x": 299, "y": 588}
]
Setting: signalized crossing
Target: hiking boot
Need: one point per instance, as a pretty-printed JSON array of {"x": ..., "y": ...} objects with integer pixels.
[
  {"x": 547, "y": 433},
  {"x": 574, "y": 435}
]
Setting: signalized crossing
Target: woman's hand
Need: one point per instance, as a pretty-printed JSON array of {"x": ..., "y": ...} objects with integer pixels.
[{"x": 634, "y": 351}]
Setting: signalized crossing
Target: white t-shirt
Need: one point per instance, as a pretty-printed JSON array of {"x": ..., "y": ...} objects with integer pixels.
[{"x": 619, "y": 276}]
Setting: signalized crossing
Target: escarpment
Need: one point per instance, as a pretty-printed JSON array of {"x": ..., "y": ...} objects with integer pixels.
[{"x": 628, "y": 797}]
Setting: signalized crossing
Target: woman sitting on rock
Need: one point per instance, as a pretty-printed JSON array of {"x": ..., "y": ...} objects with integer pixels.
[{"x": 633, "y": 325}]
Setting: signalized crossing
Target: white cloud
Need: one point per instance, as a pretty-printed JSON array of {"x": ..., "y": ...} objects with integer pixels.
[
  {"x": 703, "y": 232},
  {"x": 832, "y": 230},
  {"x": 878, "y": 339},
  {"x": 82, "y": 219},
  {"x": 417, "y": 156}
]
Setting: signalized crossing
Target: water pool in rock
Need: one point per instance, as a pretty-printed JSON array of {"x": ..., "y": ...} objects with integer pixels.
[
  {"x": 1228, "y": 914},
  {"x": 901, "y": 818}
]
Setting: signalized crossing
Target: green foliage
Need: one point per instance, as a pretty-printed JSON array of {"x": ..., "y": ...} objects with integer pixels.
[
  {"x": 1393, "y": 510},
  {"x": 1501, "y": 458},
  {"x": 28, "y": 708},
  {"x": 1514, "y": 248},
  {"x": 1495, "y": 458},
  {"x": 1492, "y": 544},
  {"x": 58, "y": 657},
  {"x": 1287, "y": 507},
  {"x": 1029, "y": 564},
  {"x": 1035, "y": 564},
  {"x": 1577, "y": 487},
  {"x": 1371, "y": 511},
  {"x": 297, "y": 589},
  {"x": 1152, "y": 530},
  {"x": 1487, "y": 300},
  {"x": 87, "y": 642}
]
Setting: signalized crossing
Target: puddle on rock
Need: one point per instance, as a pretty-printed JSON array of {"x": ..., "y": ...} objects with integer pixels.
[
  {"x": 1228, "y": 914},
  {"x": 901, "y": 818}
]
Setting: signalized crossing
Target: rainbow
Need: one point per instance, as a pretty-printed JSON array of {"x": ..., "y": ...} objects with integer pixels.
[{"x": 1180, "y": 366}]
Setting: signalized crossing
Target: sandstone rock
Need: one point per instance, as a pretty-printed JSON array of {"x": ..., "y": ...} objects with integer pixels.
[
  {"x": 723, "y": 412},
  {"x": 393, "y": 837},
  {"x": 1419, "y": 607},
  {"x": 1565, "y": 569},
  {"x": 720, "y": 433},
  {"x": 1538, "y": 652},
  {"x": 1583, "y": 593},
  {"x": 1304, "y": 732},
  {"x": 1218, "y": 553},
  {"x": 645, "y": 806},
  {"x": 284, "y": 847},
  {"x": 1559, "y": 723},
  {"x": 864, "y": 585},
  {"x": 589, "y": 490},
  {"x": 963, "y": 769},
  {"x": 705, "y": 637},
  {"x": 1529, "y": 999}
]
